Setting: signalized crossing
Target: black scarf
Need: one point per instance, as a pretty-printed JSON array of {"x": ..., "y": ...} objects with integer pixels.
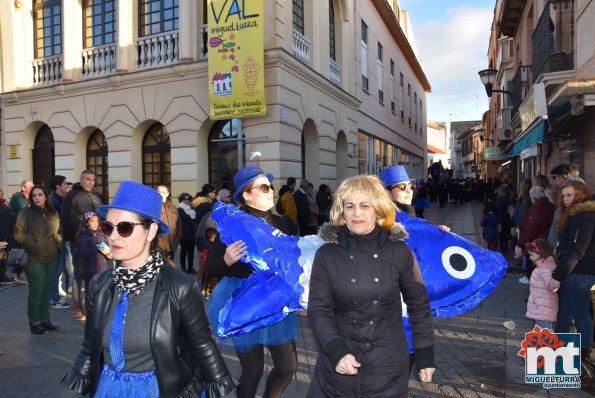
[{"x": 134, "y": 281}]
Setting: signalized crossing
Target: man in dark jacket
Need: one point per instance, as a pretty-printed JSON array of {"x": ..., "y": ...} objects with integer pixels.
[
  {"x": 59, "y": 188},
  {"x": 303, "y": 207},
  {"x": 6, "y": 238},
  {"x": 324, "y": 200},
  {"x": 19, "y": 200},
  {"x": 77, "y": 202}
]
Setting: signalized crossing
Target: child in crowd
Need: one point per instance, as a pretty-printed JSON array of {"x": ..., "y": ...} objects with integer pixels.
[
  {"x": 542, "y": 305},
  {"x": 210, "y": 234},
  {"x": 490, "y": 222},
  {"x": 93, "y": 260}
]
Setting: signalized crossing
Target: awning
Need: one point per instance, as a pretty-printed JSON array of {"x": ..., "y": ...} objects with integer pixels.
[{"x": 533, "y": 135}]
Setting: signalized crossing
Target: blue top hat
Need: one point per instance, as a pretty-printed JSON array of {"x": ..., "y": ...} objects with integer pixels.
[
  {"x": 139, "y": 199},
  {"x": 245, "y": 176},
  {"x": 394, "y": 175}
]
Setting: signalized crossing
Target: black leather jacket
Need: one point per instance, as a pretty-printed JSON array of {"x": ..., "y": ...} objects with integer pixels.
[{"x": 187, "y": 361}]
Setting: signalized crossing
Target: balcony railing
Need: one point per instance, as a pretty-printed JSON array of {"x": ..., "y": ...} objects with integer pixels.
[
  {"x": 158, "y": 50},
  {"x": 98, "y": 61},
  {"x": 553, "y": 39},
  {"x": 335, "y": 72},
  {"x": 301, "y": 47},
  {"x": 521, "y": 84},
  {"x": 47, "y": 70},
  {"x": 204, "y": 38}
]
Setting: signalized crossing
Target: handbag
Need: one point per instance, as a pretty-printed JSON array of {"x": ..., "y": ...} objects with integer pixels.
[{"x": 17, "y": 258}]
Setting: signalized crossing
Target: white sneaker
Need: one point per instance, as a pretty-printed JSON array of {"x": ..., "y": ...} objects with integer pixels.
[
  {"x": 524, "y": 280},
  {"x": 60, "y": 304}
]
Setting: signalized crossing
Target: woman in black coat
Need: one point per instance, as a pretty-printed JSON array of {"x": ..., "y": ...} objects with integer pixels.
[
  {"x": 355, "y": 307},
  {"x": 576, "y": 260}
]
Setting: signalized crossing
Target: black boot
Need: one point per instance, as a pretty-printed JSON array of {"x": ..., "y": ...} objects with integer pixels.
[
  {"x": 37, "y": 329},
  {"x": 48, "y": 325}
]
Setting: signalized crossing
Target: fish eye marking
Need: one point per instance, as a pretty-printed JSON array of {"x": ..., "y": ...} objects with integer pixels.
[{"x": 458, "y": 262}]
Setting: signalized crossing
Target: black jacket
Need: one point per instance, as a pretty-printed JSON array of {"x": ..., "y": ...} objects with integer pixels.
[
  {"x": 303, "y": 211},
  {"x": 7, "y": 221},
  {"x": 355, "y": 308},
  {"x": 187, "y": 360},
  {"x": 76, "y": 203},
  {"x": 324, "y": 200},
  {"x": 576, "y": 242}
]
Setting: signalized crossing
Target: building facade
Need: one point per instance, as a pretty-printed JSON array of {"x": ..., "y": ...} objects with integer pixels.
[
  {"x": 121, "y": 87},
  {"x": 542, "y": 112},
  {"x": 438, "y": 144},
  {"x": 466, "y": 156}
]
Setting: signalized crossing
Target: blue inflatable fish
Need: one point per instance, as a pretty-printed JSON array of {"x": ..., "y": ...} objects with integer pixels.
[{"x": 458, "y": 273}]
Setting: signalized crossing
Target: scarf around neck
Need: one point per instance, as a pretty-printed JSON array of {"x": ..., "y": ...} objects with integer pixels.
[
  {"x": 134, "y": 281},
  {"x": 188, "y": 210}
]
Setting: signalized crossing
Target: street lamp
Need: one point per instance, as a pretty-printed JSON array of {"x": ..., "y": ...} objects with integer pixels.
[
  {"x": 488, "y": 77},
  {"x": 481, "y": 136}
]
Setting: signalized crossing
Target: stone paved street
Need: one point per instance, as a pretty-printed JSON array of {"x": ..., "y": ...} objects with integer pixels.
[{"x": 475, "y": 355}]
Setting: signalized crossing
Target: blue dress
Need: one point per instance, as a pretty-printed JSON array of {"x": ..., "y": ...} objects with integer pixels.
[{"x": 279, "y": 333}]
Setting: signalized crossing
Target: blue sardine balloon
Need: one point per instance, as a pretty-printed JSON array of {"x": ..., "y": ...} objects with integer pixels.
[{"x": 458, "y": 273}]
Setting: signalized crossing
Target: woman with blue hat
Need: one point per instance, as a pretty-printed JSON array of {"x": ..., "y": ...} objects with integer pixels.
[
  {"x": 254, "y": 193},
  {"x": 400, "y": 188},
  {"x": 147, "y": 333}
]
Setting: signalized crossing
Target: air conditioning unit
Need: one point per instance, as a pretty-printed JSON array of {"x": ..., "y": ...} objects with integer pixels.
[
  {"x": 505, "y": 134},
  {"x": 503, "y": 124}
]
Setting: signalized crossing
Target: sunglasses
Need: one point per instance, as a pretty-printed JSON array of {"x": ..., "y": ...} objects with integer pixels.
[
  {"x": 264, "y": 188},
  {"x": 187, "y": 198},
  {"x": 403, "y": 187},
  {"x": 124, "y": 228}
]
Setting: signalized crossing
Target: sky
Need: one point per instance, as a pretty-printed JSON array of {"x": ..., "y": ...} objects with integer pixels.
[{"x": 452, "y": 38}]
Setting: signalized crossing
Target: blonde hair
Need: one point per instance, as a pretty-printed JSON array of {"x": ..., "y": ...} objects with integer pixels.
[{"x": 379, "y": 199}]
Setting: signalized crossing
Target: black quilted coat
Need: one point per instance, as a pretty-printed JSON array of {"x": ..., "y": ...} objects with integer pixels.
[{"x": 355, "y": 308}]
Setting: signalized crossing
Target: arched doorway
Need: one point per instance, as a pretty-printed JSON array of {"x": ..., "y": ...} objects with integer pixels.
[
  {"x": 226, "y": 152},
  {"x": 156, "y": 156},
  {"x": 342, "y": 157},
  {"x": 97, "y": 161},
  {"x": 310, "y": 152},
  {"x": 43, "y": 156}
]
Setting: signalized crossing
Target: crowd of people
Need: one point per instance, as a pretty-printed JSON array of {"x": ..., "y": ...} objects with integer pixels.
[
  {"x": 550, "y": 225},
  {"x": 72, "y": 238}
]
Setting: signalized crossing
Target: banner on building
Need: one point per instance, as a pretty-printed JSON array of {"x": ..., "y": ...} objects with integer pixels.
[{"x": 236, "y": 58}]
